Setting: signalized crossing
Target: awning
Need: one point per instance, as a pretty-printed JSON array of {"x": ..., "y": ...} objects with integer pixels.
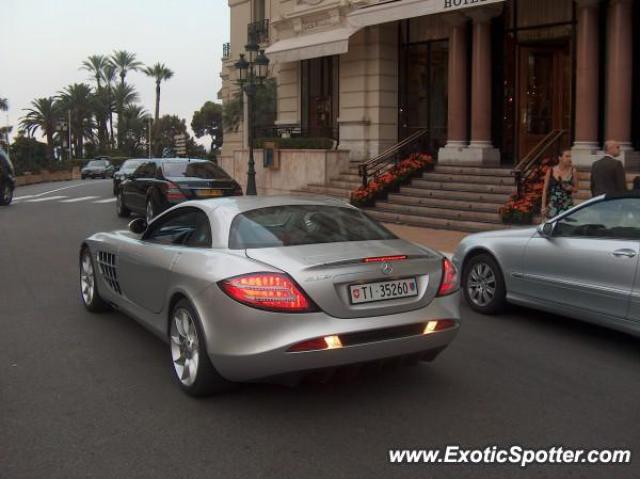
[
  {"x": 401, "y": 9},
  {"x": 313, "y": 45}
]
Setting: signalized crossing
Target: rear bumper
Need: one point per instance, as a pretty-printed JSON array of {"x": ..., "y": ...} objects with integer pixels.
[{"x": 254, "y": 344}]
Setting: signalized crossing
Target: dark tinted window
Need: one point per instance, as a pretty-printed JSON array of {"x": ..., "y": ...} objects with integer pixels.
[
  {"x": 303, "y": 224},
  {"x": 194, "y": 169},
  {"x": 619, "y": 219},
  {"x": 95, "y": 163},
  {"x": 184, "y": 226},
  {"x": 130, "y": 165},
  {"x": 146, "y": 170}
]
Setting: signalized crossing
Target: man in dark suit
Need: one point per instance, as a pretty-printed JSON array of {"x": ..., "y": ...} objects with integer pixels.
[{"x": 607, "y": 174}]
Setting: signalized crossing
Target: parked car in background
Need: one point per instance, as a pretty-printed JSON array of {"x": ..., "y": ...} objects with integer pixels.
[
  {"x": 7, "y": 179},
  {"x": 247, "y": 288},
  {"x": 582, "y": 264},
  {"x": 160, "y": 183},
  {"x": 101, "y": 167},
  {"x": 125, "y": 171}
]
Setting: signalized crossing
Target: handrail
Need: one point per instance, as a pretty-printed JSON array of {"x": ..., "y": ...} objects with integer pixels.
[
  {"x": 376, "y": 165},
  {"x": 524, "y": 168}
]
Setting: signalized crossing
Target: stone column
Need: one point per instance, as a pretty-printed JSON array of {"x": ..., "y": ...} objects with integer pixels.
[
  {"x": 481, "y": 149},
  {"x": 619, "y": 73},
  {"x": 457, "y": 109}
]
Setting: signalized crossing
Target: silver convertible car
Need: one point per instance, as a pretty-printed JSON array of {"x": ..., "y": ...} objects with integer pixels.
[
  {"x": 246, "y": 289},
  {"x": 582, "y": 264}
]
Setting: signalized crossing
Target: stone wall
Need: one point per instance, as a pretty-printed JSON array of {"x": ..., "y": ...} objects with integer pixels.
[{"x": 46, "y": 176}]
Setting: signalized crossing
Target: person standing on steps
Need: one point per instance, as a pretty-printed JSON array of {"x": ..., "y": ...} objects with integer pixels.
[
  {"x": 560, "y": 184},
  {"x": 607, "y": 174}
]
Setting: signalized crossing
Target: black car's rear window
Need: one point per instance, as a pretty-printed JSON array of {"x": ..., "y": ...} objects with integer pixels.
[
  {"x": 97, "y": 163},
  {"x": 130, "y": 165},
  {"x": 194, "y": 169},
  {"x": 303, "y": 224}
]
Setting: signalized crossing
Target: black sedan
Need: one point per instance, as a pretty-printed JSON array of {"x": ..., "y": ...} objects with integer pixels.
[
  {"x": 125, "y": 171},
  {"x": 7, "y": 179},
  {"x": 158, "y": 184},
  {"x": 98, "y": 168}
]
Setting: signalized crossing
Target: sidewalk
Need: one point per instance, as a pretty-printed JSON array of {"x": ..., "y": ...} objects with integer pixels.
[{"x": 445, "y": 241}]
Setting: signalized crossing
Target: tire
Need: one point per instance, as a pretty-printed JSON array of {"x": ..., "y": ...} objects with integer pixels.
[
  {"x": 89, "y": 284},
  {"x": 152, "y": 208},
  {"x": 6, "y": 194},
  {"x": 121, "y": 209},
  {"x": 483, "y": 285},
  {"x": 191, "y": 366}
]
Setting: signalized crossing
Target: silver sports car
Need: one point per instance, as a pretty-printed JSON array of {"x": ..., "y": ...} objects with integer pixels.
[
  {"x": 248, "y": 288},
  {"x": 582, "y": 264}
]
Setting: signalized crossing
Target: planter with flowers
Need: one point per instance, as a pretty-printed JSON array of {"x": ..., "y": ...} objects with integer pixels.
[
  {"x": 521, "y": 209},
  {"x": 390, "y": 181}
]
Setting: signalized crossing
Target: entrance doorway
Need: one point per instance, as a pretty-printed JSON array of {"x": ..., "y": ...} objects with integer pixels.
[{"x": 544, "y": 94}]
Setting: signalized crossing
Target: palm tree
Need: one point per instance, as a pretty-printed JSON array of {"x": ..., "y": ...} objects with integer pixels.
[
  {"x": 109, "y": 74},
  {"x": 43, "y": 115},
  {"x": 125, "y": 62},
  {"x": 4, "y": 104},
  {"x": 95, "y": 64},
  {"x": 135, "y": 119},
  {"x": 123, "y": 95},
  {"x": 160, "y": 72},
  {"x": 78, "y": 100}
]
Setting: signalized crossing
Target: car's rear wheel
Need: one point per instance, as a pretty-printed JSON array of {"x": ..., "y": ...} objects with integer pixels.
[
  {"x": 153, "y": 206},
  {"x": 191, "y": 364},
  {"x": 6, "y": 195},
  {"x": 483, "y": 284},
  {"x": 121, "y": 209},
  {"x": 89, "y": 285}
]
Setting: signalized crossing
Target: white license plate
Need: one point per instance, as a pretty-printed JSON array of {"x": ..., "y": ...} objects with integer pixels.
[{"x": 382, "y": 291}]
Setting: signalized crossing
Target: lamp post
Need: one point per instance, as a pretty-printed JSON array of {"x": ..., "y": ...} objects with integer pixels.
[{"x": 251, "y": 75}]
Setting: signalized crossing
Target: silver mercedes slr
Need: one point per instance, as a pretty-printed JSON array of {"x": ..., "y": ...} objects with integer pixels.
[
  {"x": 582, "y": 264},
  {"x": 246, "y": 289}
]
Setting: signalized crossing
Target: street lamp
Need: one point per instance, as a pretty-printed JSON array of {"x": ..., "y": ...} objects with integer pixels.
[{"x": 251, "y": 74}]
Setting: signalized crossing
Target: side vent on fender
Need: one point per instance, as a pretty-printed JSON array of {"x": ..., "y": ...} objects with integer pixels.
[{"x": 107, "y": 265}]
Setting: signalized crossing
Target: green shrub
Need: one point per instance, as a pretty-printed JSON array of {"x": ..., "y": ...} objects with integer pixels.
[{"x": 298, "y": 143}]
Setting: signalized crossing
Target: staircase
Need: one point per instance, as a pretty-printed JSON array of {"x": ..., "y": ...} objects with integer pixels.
[{"x": 461, "y": 198}]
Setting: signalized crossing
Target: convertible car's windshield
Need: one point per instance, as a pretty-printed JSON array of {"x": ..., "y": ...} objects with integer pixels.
[{"x": 303, "y": 224}]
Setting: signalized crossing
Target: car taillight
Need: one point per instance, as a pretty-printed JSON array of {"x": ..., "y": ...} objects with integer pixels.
[
  {"x": 383, "y": 259},
  {"x": 449, "y": 283},
  {"x": 438, "y": 325},
  {"x": 268, "y": 291},
  {"x": 174, "y": 193},
  {"x": 317, "y": 344}
]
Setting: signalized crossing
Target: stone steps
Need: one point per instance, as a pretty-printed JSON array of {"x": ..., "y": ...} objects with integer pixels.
[
  {"x": 431, "y": 222},
  {"x": 462, "y": 186},
  {"x": 444, "y": 213},
  {"x": 475, "y": 179},
  {"x": 460, "y": 205}
]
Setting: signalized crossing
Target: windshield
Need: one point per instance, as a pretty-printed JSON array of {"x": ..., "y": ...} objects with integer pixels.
[
  {"x": 130, "y": 165},
  {"x": 303, "y": 224},
  {"x": 194, "y": 169},
  {"x": 95, "y": 163}
]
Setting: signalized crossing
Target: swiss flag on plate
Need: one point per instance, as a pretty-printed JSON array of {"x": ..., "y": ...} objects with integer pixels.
[
  {"x": 356, "y": 293},
  {"x": 412, "y": 286}
]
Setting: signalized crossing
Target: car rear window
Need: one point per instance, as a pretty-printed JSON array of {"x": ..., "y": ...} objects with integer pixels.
[
  {"x": 194, "y": 169},
  {"x": 97, "y": 163},
  {"x": 292, "y": 225},
  {"x": 130, "y": 165}
]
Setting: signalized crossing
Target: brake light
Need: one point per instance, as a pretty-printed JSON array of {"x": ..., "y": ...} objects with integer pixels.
[
  {"x": 317, "y": 344},
  {"x": 438, "y": 325},
  {"x": 449, "y": 282},
  {"x": 268, "y": 291},
  {"x": 174, "y": 193},
  {"x": 382, "y": 259}
]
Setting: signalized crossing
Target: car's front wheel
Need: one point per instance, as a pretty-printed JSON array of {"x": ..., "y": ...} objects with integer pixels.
[
  {"x": 89, "y": 285},
  {"x": 6, "y": 194},
  {"x": 483, "y": 284},
  {"x": 121, "y": 208},
  {"x": 191, "y": 364}
]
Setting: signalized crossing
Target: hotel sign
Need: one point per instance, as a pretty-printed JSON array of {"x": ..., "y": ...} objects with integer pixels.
[{"x": 390, "y": 11}]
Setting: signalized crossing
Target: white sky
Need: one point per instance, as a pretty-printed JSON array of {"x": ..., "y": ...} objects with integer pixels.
[{"x": 43, "y": 43}]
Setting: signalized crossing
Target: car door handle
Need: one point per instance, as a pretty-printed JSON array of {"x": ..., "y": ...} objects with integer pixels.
[{"x": 629, "y": 253}]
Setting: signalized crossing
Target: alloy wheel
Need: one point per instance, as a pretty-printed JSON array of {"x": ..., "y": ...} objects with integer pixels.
[
  {"x": 87, "y": 278},
  {"x": 481, "y": 284},
  {"x": 185, "y": 346}
]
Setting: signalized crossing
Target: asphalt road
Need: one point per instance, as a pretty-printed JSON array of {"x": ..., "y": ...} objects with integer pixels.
[{"x": 85, "y": 395}]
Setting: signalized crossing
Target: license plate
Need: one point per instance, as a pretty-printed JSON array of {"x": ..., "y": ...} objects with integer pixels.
[
  {"x": 209, "y": 193},
  {"x": 383, "y": 291}
]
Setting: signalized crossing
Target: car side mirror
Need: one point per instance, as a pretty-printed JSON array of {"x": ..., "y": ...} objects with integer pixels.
[
  {"x": 138, "y": 226},
  {"x": 547, "y": 229}
]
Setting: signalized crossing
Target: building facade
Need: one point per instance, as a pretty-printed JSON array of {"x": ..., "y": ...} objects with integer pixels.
[{"x": 488, "y": 79}]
